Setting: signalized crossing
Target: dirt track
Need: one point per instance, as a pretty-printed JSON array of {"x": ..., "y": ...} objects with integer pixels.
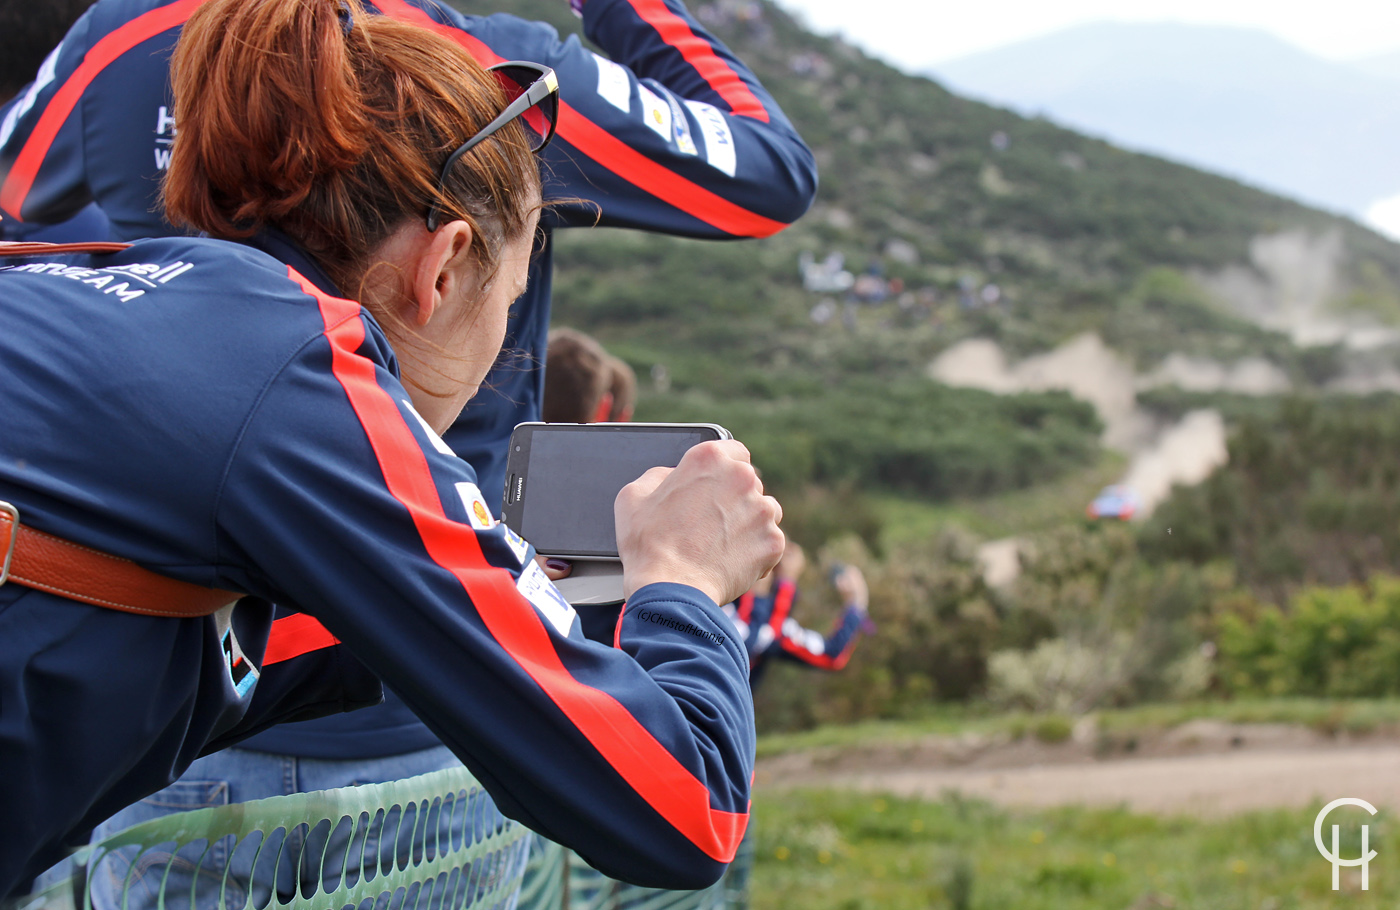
[{"x": 1203, "y": 769}]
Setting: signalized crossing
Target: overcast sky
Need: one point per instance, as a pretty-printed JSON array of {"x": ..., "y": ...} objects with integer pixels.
[{"x": 916, "y": 33}]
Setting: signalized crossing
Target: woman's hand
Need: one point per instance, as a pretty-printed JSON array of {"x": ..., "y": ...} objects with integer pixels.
[{"x": 704, "y": 523}]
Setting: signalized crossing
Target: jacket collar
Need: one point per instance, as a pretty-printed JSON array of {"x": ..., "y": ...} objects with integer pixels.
[{"x": 284, "y": 249}]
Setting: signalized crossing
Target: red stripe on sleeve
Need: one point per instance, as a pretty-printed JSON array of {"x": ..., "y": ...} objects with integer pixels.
[
  {"x": 676, "y": 32},
  {"x": 295, "y": 635},
  {"x": 617, "y": 629},
  {"x": 782, "y": 605},
  {"x": 611, "y": 153},
  {"x": 745, "y": 606},
  {"x": 642, "y": 172},
  {"x": 821, "y": 661},
  {"x": 653, "y": 772},
  {"x": 26, "y": 167}
]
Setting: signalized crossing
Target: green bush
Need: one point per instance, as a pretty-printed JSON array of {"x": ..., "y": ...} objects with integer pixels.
[
  {"x": 1108, "y": 628},
  {"x": 1337, "y": 642},
  {"x": 1310, "y": 496},
  {"x": 907, "y": 435},
  {"x": 936, "y": 623},
  {"x": 1053, "y": 728}
]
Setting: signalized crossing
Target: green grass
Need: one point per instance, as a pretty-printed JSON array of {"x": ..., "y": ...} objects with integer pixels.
[
  {"x": 818, "y": 849},
  {"x": 1037, "y": 508},
  {"x": 1327, "y": 715}
]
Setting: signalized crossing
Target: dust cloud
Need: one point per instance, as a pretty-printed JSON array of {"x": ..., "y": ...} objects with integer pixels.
[
  {"x": 1184, "y": 452},
  {"x": 1083, "y": 366},
  {"x": 1289, "y": 285}
]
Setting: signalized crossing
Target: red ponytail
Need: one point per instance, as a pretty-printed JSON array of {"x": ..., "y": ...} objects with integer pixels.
[{"x": 331, "y": 124}]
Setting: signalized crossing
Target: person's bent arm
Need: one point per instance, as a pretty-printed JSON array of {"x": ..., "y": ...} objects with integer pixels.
[
  {"x": 43, "y": 173},
  {"x": 825, "y": 652},
  {"x": 672, "y": 134},
  {"x": 639, "y": 756}
]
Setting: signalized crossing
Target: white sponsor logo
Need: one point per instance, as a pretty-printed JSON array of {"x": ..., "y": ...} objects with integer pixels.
[
  {"x": 115, "y": 279},
  {"x": 165, "y": 136},
  {"x": 477, "y": 512},
  {"x": 536, "y": 587},
  {"x": 656, "y": 113},
  {"x": 810, "y": 640},
  {"x": 517, "y": 545},
  {"x": 1367, "y": 854},
  {"x": 433, "y": 437},
  {"x": 719, "y": 141},
  {"x": 614, "y": 85},
  {"x": 46, "y": 74}
]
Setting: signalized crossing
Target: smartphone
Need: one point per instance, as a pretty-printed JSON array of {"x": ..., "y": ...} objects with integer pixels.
[{"x": 562, "y": 479}]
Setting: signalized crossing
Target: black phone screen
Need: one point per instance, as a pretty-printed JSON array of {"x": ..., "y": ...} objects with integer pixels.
[{"x": 573, "y": 476}]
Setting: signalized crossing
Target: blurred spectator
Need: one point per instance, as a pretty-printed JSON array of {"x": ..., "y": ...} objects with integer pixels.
[
  {"x": 623, "y": 385},
  {"x": 763, "y": 617},
  {"x": 577, "y": 379},
  {"x": 584, "y": 383}
]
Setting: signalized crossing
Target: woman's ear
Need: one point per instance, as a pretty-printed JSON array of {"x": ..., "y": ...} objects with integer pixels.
[{"x": 445, "y": 265}]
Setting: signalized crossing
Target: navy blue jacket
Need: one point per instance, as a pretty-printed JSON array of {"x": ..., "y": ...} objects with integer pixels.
[
  {"x": 672, "y": 134},
  {"x": 212, "y": 413}
]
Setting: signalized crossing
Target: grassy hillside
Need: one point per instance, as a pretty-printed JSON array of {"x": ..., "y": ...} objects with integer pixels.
[{"x": 948, "y": 196}]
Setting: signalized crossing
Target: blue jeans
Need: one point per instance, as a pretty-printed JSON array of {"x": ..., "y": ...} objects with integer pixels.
[{"x": 235, "y": 776}]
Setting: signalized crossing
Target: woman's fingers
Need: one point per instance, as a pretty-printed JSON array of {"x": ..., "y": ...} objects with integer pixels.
[{"x": 706, "y": 523}]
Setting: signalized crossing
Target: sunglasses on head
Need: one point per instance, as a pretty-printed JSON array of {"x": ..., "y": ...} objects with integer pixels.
[{"x": 532, "y": 91}]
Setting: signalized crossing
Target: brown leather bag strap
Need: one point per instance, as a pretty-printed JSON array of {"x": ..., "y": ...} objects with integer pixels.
[
  {"x": 48, "y": 563},
  {"x": 24, "y": 248}
]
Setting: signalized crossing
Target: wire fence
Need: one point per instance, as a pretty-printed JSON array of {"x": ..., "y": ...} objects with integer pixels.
[{"x": 434, "y": 842}]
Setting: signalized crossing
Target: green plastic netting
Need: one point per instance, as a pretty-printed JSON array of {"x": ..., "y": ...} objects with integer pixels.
[
  {"x": 434, "y": 842},
  {"x": 589, "y": 889}
]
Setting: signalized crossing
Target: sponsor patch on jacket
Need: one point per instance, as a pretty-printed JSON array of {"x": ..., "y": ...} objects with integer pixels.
[
  {"x": 536, "y": 587},
  {"x": 478, "y": 513},
  {"x": 684, "y": 142},
  {"x": 656, "y": 113},
  {"x": 614, "y": 85},
  {"x": 719, "y": 140},
  {"x": 517, "y": 544},
  {"x": 433, "y": 437},
  {"x": 241, "y": 672}
]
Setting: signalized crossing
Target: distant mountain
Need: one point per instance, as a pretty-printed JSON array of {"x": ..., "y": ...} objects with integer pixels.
[{"x": 1237, "y": 101}]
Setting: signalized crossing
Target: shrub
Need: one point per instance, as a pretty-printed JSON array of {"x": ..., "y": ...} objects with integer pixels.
[
  {"x": 1113, "y": 629},
  {"x": 936, "y": 623},
  {"x": 1340, "y": 642}
]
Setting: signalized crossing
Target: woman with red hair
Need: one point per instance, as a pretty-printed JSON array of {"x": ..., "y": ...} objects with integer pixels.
[{"x": 256, "y": 415}]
